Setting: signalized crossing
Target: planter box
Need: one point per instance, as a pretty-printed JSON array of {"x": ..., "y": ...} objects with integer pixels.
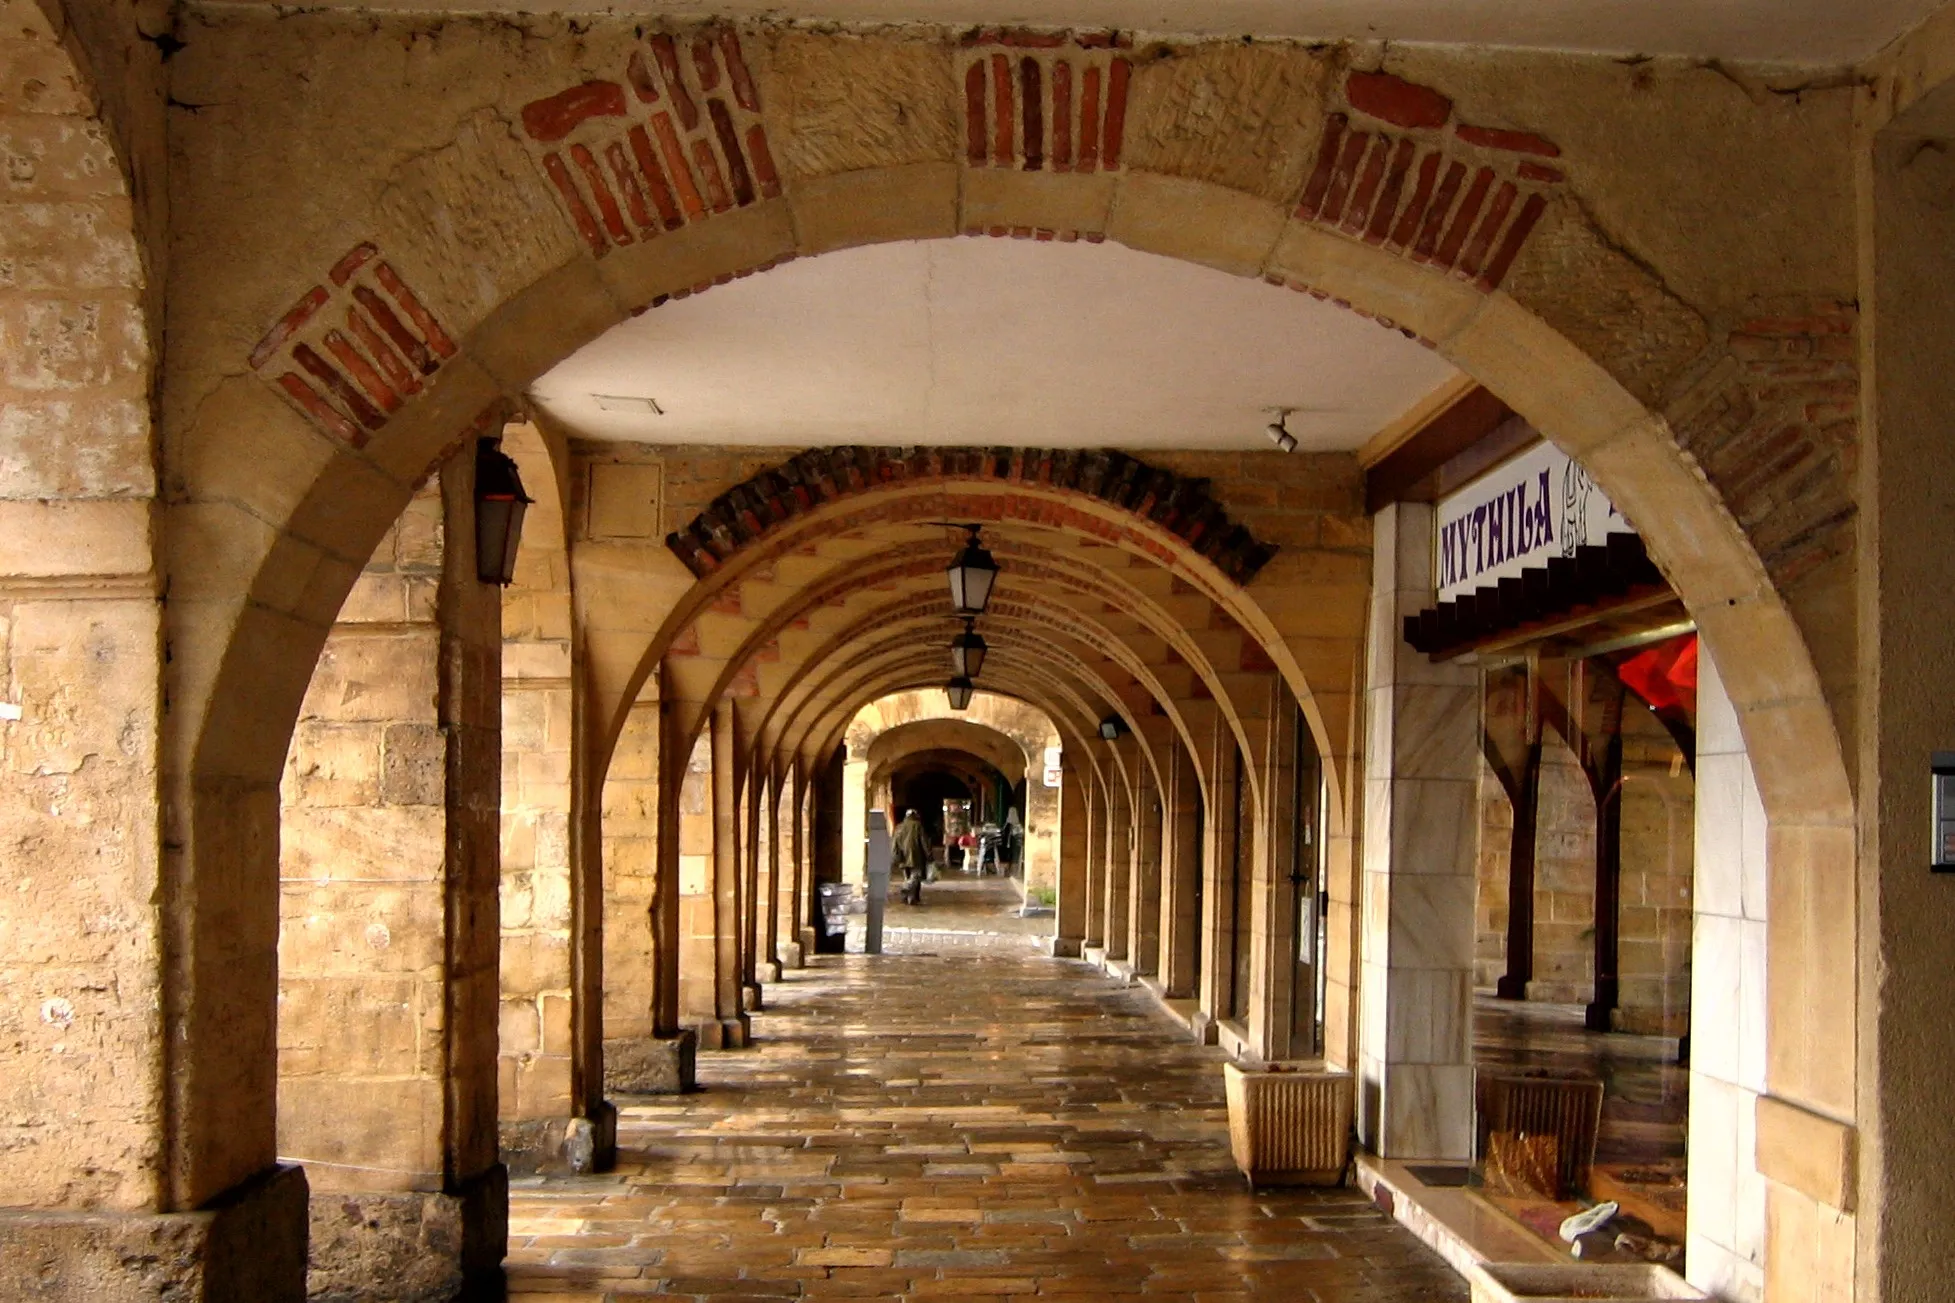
[
  {"x": 1289, "y": 1123},
  {"x": 1574, "y": 1282},
  {"x": 1568, "y": 1108}
]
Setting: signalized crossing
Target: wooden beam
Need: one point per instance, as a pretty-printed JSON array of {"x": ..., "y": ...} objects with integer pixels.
[{"x": 1411, "y": 471}]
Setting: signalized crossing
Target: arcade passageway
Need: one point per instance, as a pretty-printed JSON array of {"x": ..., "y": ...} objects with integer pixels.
[{"x": 972, "y": 1123}]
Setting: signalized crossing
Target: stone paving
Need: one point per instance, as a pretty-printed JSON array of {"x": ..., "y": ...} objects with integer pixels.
[{"x": 982, "y": 1125}]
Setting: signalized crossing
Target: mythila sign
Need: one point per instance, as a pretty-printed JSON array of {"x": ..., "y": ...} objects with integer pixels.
[{"x": 1538, "y": 505}]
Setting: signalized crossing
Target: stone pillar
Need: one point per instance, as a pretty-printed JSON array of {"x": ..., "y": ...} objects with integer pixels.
[
  {"x": 389, "y": 867},
  {"x": 1039, "y": 858},
  {"x": 694, "y": 966},
  {"x": 1281, "y": 987},
  {"x": 728, "y": 1028},
  {"x": 1069, "y": 923},
  {"x": 1726, "y": 1241},
  {"x": 747, "y": 903},
  {"x": 771, "y": 898},
  {"x": 1144, "y": 898},
  {"x": 1181, "y": 867},
  {"x": 640, "y": 1056},
  {"x": 1094, "y": 878},
  {"x": 855, "y": 820},
  {"x": 800, "y": 945},
  {"x": 1219, "y": 837},
  {"x": 1420, "y": 839},
  {"x": 1117, "y": 862}
]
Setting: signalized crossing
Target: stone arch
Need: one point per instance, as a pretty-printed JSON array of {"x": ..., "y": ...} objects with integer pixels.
[{"x": 260, "y": 561}]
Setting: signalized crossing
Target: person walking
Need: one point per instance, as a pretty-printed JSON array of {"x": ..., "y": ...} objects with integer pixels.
[{"x": 909, "y": 853}]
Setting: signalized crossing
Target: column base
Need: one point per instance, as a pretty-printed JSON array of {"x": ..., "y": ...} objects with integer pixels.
[
  {"x": 1510, "y": 988},
  {"x": 1094, "y": 954},
  {"x": 752, "y": 1000},
  {"x": 793, "y": 955},
  {"x": 247, "y": 1246},
  {"x": 652, "y": 1065},
  {"x": 1065, "y": 947},
  {"x": 411, "y": 1246},
  {"x": 1120, "y": 970},
  {"x": 560, "y": 1146},
  {"x": 734, "y": 1033}
]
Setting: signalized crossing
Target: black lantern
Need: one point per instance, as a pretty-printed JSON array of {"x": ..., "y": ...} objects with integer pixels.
[
  {"x": 1113, "y": 728},
  {"x": 967, "y": 651},
  {"x": 499, "y": 506},
  {"x": 971, "y": 576},
  {"x": 959, "y": 691}
]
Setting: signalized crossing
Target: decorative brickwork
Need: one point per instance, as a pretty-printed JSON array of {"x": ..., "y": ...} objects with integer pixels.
[
  {"x": 1182, "y": 506},
  {"x": 1776, "y": 429},
  {"x": 354, "y": 347},
  {"x": 1463, "y": 199},
  {"x": 1045, "y": 99},
  {"x": 676, "y": 139}
]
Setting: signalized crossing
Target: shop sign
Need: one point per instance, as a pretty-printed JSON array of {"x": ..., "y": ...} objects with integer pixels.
[{"x": 1538, "y": 505}]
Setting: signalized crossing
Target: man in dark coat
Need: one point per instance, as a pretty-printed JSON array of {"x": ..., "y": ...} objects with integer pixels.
[{"x": 909, "y": 854}]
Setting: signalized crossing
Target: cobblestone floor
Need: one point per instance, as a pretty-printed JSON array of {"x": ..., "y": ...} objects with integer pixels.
[{"x": 984, "y": 1126}]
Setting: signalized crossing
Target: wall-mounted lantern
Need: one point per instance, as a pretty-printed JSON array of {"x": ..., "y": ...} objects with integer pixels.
[
  {"x": 959, "y": 691},
  {"x": 1943, "y": 765},
  {"x": 1113, "y": 728},
  {"x": 971, "y": 576},
  {"x": 967, "y": 652},
  {"x": 499, "y": 506}
]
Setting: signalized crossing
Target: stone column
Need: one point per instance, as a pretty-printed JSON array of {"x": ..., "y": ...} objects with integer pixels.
[
  {"x": 389, "y": 935},
  {"x": 747, "y": 905},
  {"x": 1117, "y": 862},
  {"x": 1181, "y": 867},
  {"x": 771, "y": 896},
  {"x": 1420, "y": 838},
  {"x": 800, "y": 944},
  {"x": 1039, "y": 858},
  {"x": 1280, "y": 986},
  {"x": 729, "y": 1009},
  {"x": 535, "y": 1100},
  {"x": 855, "y": 820},
  {"x": 1144, "y": 898},
  {"x": 641, "y": 1056},
  {"x": 1069, "y": 925},
  {"x": 1094, "y": 942},
  {"x": 1219, "y": 834}
]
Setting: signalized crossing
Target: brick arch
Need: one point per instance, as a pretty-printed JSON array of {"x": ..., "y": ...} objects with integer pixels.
[{"x": 749, "y": 511}]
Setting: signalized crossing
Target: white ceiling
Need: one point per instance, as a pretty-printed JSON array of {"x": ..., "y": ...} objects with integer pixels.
[
  {"x": 1801, "y": 31},
  {"x": 981, "y": 341}
]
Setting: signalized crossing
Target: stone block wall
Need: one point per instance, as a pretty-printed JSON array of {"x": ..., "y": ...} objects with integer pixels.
[
  {"x": 698, "y": 954},
  {"x": 534, "y": 1074},
  {"x": 363, "y": 867},
  {"x": 630, "y": 880},
  {"x": 389, "y": 918}
]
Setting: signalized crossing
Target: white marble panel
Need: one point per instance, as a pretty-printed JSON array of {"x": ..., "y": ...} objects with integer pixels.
[
  {"x": 1716, "y": 996},
  {"x": 1378, "y": 733},
  {"x": 1718, "y": 874},
  {"x": 1431, "y": 1016},
  {"x": 1714, "y": 1159},
  {"x": 1753, "y": 870},
  {"x": 1717, "y": 719},
  {"x": 1751, "y": 1011},
  {"x": 1428, "y": 1111},
  {"x": 1432, "y": 922},
  {"x": 1436, "y": 731},
  {"x": 1748, "y": 1208},
  {"x": 1434, "y": 827},
  {"x": 1722, "y": 1274},
  {"x": 1374, "y": 1024}
]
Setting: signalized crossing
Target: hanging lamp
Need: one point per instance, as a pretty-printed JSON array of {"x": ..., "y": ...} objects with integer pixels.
[
  {"x": 971, "y": 576},
  {"x": 967, "y": 651}
]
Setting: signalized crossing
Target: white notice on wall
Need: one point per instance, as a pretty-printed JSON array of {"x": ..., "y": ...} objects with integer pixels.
[
  {"x": 1539, "y": 505},
  {"x": 1054, "y": 758}
]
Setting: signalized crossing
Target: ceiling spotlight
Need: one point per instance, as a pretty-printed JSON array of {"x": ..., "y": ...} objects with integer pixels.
[
  {"x": 1279, "y": 434},
  {"x": 967, "y": 652},
  {"x": 958, "y": 691},
  {"x": 1113, "y": 728},
  {"x": 971, "y": 576}
]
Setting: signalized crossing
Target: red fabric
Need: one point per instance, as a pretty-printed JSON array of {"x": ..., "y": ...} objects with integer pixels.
[{"x": 1665, "y": 675}]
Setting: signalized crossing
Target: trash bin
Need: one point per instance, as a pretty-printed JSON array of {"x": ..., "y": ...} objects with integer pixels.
[{"x": 835, "y": 900}]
